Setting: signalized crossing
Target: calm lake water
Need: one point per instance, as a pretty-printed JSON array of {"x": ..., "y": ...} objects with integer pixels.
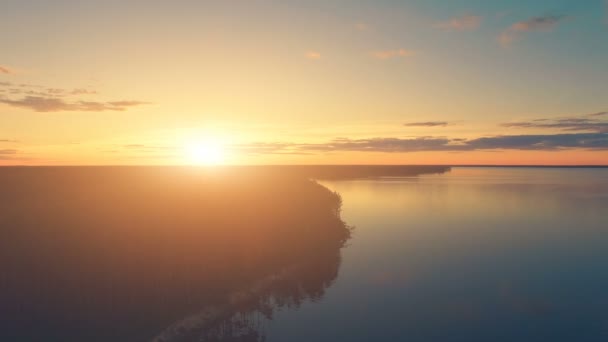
[{"x": 476, "y": 254}]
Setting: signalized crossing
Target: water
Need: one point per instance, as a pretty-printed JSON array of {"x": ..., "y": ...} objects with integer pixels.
[{"x": 477, "y": 254}]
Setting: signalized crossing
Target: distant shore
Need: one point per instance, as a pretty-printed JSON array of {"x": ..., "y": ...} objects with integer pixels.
[
  {"x": 320, "y": 172},
  {"x": 328, "y": 169}
]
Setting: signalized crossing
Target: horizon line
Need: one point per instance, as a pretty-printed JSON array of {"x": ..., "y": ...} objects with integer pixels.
[{"x": 313, "y": 165}]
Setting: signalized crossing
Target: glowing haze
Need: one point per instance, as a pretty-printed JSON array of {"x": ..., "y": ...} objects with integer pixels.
[{"x": 293, "y": 82}]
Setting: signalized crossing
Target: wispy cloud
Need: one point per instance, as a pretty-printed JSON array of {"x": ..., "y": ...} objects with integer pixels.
[
  {"x": 362, "y": 27},
  {"x": 345, "y": 144},
  {"x": 463, "y": 23},
  {"x": 47, "y": 99},
  {"x": 45, "y": 104},
  {"x": 381, "y": 145},
  {"x": 596, "y": 122},
  {"x": 8, "y": 151},
  {"x": 148, "y": 148},
  {"x": 547, "y": 142},
  {"x": 38, "y": 90},
  {"x": 314, "y": 55},
  {"x": 426, "y": 124},
  {"x": 390, "y": 54},
  {"x": 5, "y": 70},
  {"x": 274, "y": 148},
  {"x": 531, "y": 142},
  {"x": 598, "y": 114},
  {"x": 540, "y": 142},
  {"x": 83, "y": 91},
  {"x": 536, "y": 24},
  {"x": 6, "y": 154}
]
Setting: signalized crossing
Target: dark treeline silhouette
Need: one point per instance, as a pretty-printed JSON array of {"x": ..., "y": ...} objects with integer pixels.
[
  {"x": 164, "y": 253},
  {"x": 120, "y": 254}
]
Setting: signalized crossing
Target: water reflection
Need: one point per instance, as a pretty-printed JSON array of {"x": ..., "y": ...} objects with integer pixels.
[
  {"x": 244, "y": 314},
  {"x": 477, "y": 254},
  {"x": 472, "y": 255}
]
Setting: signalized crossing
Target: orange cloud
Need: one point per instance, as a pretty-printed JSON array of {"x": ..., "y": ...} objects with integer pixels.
[
  {"x": 426, "y": 124},
  {"x": 313, "y": 55},
  {"x": 362, "y": 27},
  {"x": 5, "y": 70},
  {"x": 45, "y": 99},
  {"x": 389, "y": 54},
  {"x": 536, "y": 24},
  {"x": 7, "y": 154},
  {"x": 464, "y": 23},
  {"x": 47, "y": 104},
  {"x": 82, "y": 91}
]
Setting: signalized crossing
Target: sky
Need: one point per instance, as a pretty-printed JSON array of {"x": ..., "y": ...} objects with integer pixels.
[{"x": 303, "y": 82}]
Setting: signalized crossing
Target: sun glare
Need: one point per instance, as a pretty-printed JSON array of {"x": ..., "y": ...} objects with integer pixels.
[{"x": 205, "y": 153}]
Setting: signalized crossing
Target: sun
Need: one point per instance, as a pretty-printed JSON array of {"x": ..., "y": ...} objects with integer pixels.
[{"x": 206, "y": 152}]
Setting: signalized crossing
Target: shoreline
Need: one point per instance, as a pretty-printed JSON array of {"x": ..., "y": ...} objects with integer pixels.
[{"x": 104, "y": 254}]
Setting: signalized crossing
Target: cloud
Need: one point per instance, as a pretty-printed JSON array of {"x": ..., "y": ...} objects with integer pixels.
[
  {"x": 345, "y": 144},
  {"x": 362, "y": 27},
  {"x": 587, "y": 132},
  {"x": 55, "y": 91},
  {"x": 464, "y": 23},
  {"x": 5, "y": 70},
  {"x": 536, "y": 24},
  {"x": 261, "y": 148},
  {"x": 38, "y": 90},
  {"x": 8, "y": 151},
  {"x": 82, "y": 91},
  {"x": 587, "y": 123},
  {"x": 6, "y": 154},
  {"x": 148, "y": 148},
  {"x": 381, "y": 145},
  {"x": 390, "y": 54},
  {"x": 26, "y": 85},
  {"x": 126, "y": 103},
  {"x": 48, "y": 99},
  {"x": 314, "y": 55},
  {"x": 47, "y": 104},
  {"x": 426, "y": 124},
  {"x": 540, "y": 142}
]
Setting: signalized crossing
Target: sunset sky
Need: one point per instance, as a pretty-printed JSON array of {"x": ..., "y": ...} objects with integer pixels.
[{"x": 303, "y": 82}]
